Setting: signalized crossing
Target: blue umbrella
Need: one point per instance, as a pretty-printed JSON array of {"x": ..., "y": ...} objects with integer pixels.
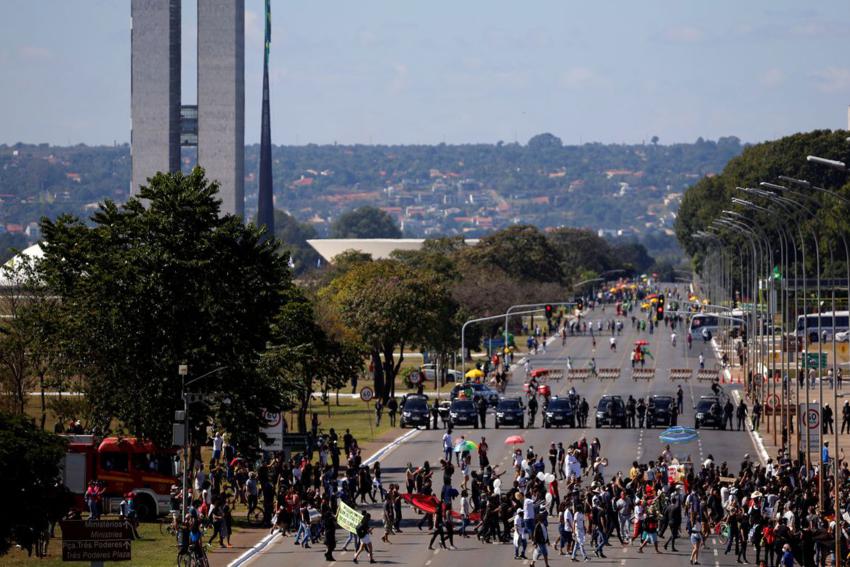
[{"x": 679, "y": 435}]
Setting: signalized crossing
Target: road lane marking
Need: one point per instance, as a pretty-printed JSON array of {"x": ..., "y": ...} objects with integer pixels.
[{"x": 428, "y": 562}]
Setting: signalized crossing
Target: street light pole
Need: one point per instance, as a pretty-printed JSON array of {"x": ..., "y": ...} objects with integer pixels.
[
  {"x": 183, "y": 371},
  {"x": 478, "y": 320},
  {"x": 512, "y": 307}
]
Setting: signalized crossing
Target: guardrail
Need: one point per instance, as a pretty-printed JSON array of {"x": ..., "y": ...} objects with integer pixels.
[
  {"x": 643, "y": 374},
  {"x": 680, "y": 373},
  {"x": 578, "y": 374},
  {"x": 608, "y": 373}
]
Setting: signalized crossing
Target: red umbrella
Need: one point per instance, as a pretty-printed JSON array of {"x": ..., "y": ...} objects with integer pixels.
[
  {"x": 544, "y": 390},
  {"x": 514, "y": 440},
  {"x": 641, "y": 342}
]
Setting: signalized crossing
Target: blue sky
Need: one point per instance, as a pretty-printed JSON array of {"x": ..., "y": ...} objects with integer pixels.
[{"x": 411, "y": 71}]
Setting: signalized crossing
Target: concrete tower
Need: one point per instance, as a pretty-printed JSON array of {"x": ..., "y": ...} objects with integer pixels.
[
  {"x": 161, "y": 125},
  {"x": 154, "y": 88},
  {"x": 221, "y": 98}
]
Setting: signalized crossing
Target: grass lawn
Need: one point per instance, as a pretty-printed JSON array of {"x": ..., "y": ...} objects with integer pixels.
[
  {"x": 351, "y": 413},
  {"x": 153, "y": 550}
]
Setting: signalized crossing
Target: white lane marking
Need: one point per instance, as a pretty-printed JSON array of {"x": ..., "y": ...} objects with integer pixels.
[{"x": 428, "y": 562}]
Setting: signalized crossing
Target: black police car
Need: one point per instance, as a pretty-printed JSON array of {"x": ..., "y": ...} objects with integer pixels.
[
  {"x": 415, "y": 411},
  {"x": 510, "y": 411},
  {"x": 708, "y": 412},
  {"x": 617, "y": 414},
  {"x": 463, "y": 412},
  {"x": 661, "y": 410},
  {"x": 559, "y": 412}
]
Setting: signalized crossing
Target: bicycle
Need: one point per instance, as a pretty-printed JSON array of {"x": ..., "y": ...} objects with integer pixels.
[
  {"x": 722, "y": 531},
  {"x": 168, "y": 526}
]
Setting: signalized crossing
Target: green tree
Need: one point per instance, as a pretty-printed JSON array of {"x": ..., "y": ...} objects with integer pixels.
[
  {"x": 162, "y": 280},
  {"x": 293, "y": 236},
  {"x": 521, "y": 251},
  {"x": 29, "y": 459},
  {"x": 365, "y": 222},
  {"x": 391, "y": 306}
]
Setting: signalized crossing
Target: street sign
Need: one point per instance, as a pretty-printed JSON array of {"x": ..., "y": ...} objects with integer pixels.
[
  {"x": 366, "y": 394},
  {"x": 413, "y": 377},
  {"x": 95, "y": 540},
  {"x": 809, "y": 418},
  {"x": 812, "y": 360},
  {"x": 273, "y": 430}
]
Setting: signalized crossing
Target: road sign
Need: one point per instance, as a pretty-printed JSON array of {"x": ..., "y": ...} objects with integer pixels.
[
  {"x": 273, "y": 430},
  {"x": 414, "y": 377},
  {"x": 95, "y": 540},
  {"x": 809, "y": 418},
  {"x": 366, "y": 394},
  {"x": 812, "y": 360}
]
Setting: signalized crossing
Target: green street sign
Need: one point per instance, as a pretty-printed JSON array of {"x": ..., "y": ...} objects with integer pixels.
[{"x": 812, "y": 360}]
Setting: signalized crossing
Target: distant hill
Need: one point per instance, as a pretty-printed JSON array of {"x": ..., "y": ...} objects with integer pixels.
[{"x": 471, "y": 189}]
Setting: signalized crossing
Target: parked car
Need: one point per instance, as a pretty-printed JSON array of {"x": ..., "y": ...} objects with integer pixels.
[
  {"x": 617, "y": 414},
  {"x": 559, "y": 412},
  {"x": 478, "y": 391},
  {"x": 430, "y": 372},
  {"x": 510, "y": 411},
  {"x": 661, "y": 410},
  {"x": 708, "y": 412},
  {"x": 415, "y": 411},
  {"x": 463, "y": 412}
]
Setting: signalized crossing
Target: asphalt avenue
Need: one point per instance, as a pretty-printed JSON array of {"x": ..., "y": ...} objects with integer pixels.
[{"x": 619, "y": 446}]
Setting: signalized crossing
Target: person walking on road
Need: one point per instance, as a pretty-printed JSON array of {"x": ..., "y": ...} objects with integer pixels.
[
  {"x": 742, "y": 414},
  {"x": 392, "y": 409},
  {"x": 680, "y": 399},
  {"x": 363, "y": 531},
  {"x": 756, "y": 414},
  {"x": 728, "y": 410},
  {"x": 845, "y": 416},
  {"x": 579, "y": 532},
  {"x": 827, "y": 419},
  {"x": 701, "y": 361},
  {"x": 541, "y": 541}
]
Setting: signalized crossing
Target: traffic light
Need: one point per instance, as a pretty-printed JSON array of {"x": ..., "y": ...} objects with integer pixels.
[
  {"x": 548, "y": 310},
  {"x": 659, "y": 316},
  {"x": 580, "y": 304}
]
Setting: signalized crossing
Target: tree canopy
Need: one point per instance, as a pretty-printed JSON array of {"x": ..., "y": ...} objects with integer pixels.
[
  {"x": 365, "y": 222},
  {"x": 29, "y": 459},
  {"x": 166, "y": 279}
]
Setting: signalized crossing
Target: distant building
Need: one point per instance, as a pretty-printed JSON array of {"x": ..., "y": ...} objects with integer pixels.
[
  {"x": 378, "y": 248},
  {"x": 161, "y": 125}
]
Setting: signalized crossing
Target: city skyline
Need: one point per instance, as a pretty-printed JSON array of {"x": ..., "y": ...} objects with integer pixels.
[{"x": 387, "y": 73}]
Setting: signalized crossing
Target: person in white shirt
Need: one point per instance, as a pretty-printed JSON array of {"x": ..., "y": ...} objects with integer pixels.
[
  {"x": 579, "y": 532},
  {"x": 573, "y": 466},
  {"x": 520, "y": 537},
  {"x": 464, "y": 512},
  {"x": 218, "y": 443},
  {"x": 528, "y": 513},
  {"x": 447, "y": 446},
  {"x": 566, "y": 530}
]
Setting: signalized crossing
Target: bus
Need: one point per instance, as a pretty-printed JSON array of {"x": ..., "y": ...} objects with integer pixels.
[
  {"x": 709, "y": 323},
  {"x": 837, "y": 322}
]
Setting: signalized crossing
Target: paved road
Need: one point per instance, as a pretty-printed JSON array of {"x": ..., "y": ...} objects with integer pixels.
[{"x": 620, "y": 446}]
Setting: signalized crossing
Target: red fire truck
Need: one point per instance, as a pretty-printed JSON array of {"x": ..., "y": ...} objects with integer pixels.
[{"x": 124, "y": 464}]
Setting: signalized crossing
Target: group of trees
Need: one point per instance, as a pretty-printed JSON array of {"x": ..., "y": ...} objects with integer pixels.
[{"x": 705, "y": 200}]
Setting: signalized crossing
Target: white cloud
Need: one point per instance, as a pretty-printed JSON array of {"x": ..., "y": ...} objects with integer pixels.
[
  {"x": 833, "y": 79},
  {"x": 34, "y": 53},
  {"x": 684, "y": 34},
  {"x": 772, "y": 77}
]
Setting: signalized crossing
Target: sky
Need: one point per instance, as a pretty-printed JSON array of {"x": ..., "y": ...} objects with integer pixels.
[{"x": 426, "y": 72}]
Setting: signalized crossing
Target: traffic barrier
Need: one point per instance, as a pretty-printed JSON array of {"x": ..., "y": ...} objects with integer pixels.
[
  {"x": 578, "y": 374},
  {"x": 643, "y": 374},
  {"x": 706, "y": 375},
  {"x": 680, "y": 374},
  {"x": 609, "y": 373}
]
